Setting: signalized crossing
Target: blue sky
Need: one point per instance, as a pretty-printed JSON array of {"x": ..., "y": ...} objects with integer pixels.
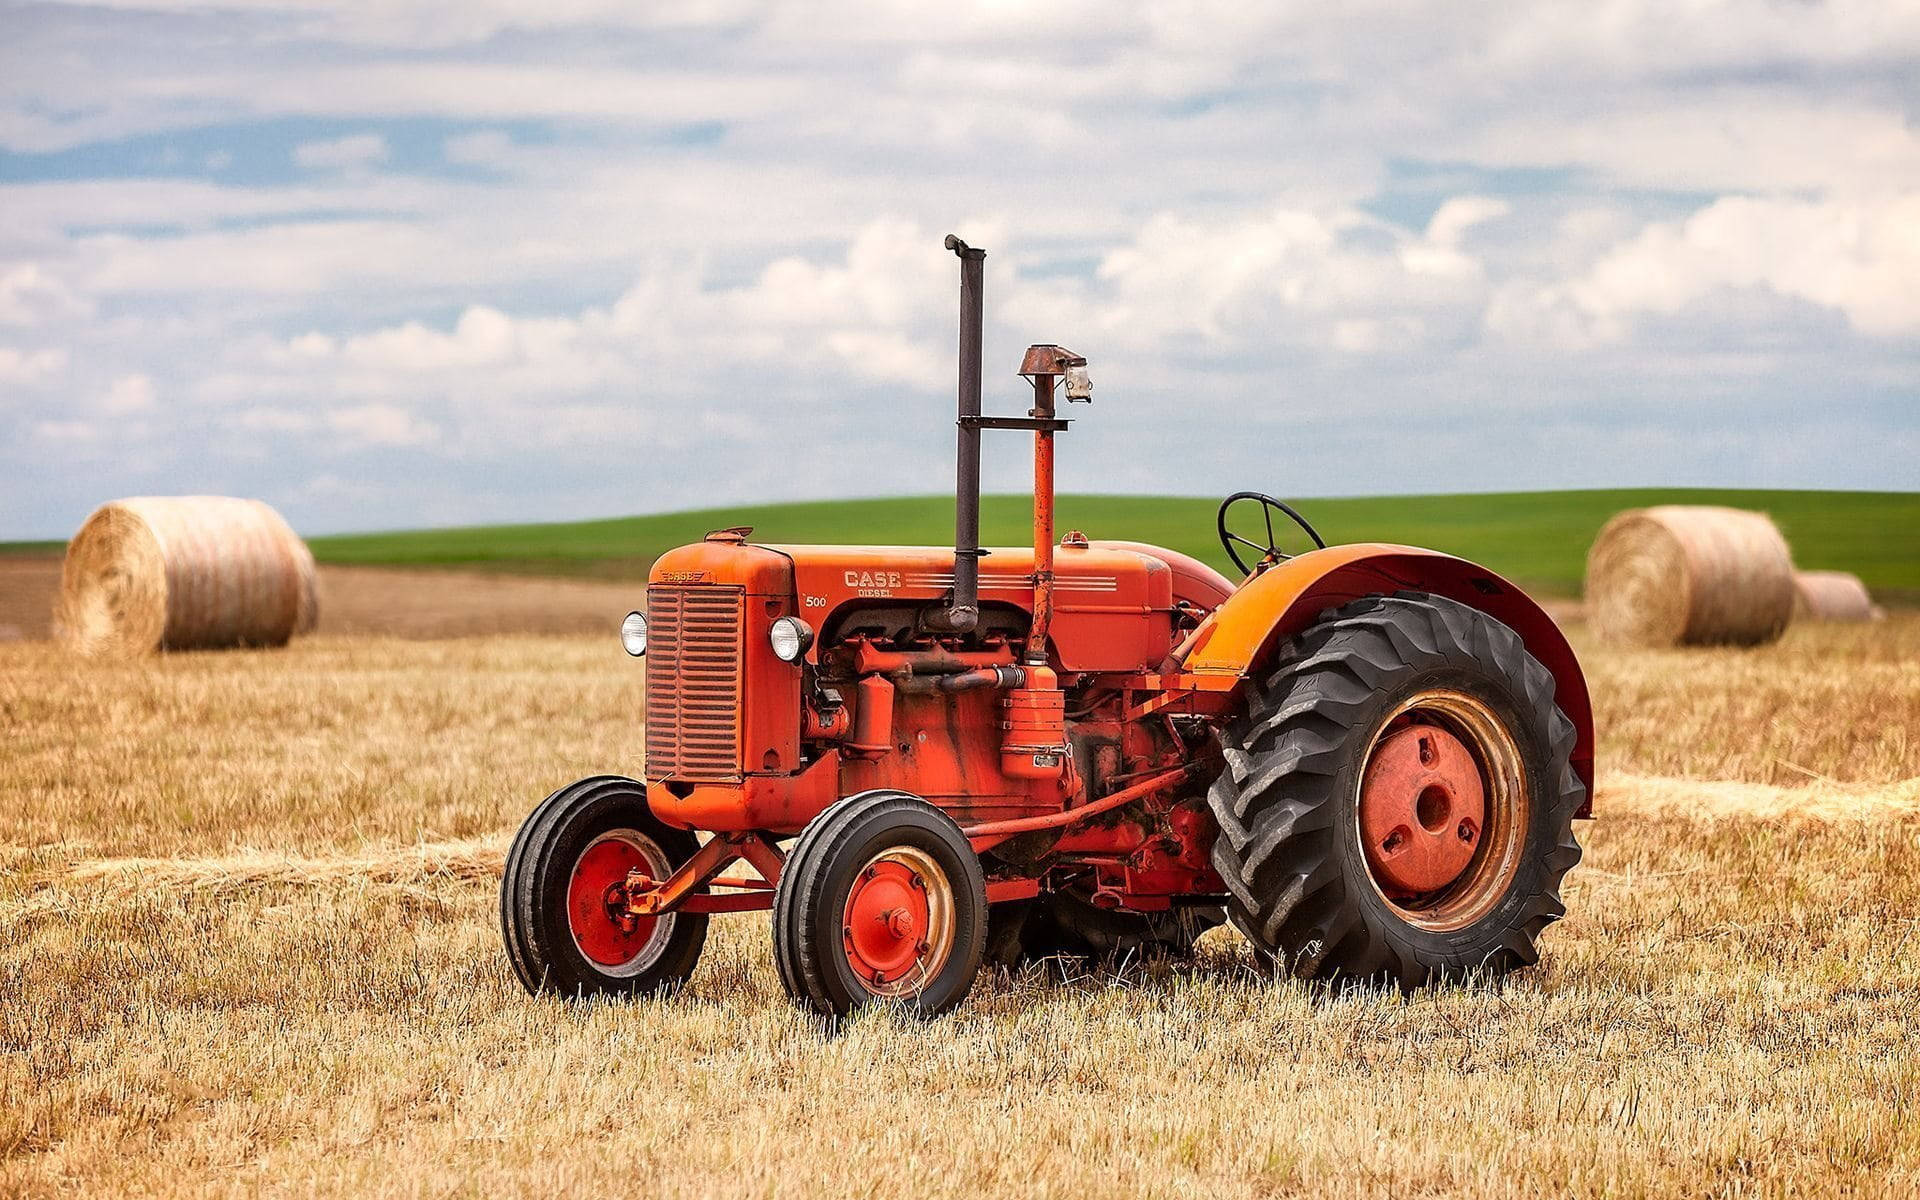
[{"x": 396, "y": 264}]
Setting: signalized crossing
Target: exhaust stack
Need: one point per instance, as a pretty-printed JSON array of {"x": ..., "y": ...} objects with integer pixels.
[
  {"x": 963, "y": 611},
  {"x": 1042, "y": 366}
]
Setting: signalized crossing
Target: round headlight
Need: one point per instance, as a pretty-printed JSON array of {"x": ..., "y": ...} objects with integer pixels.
[
  {"x": 633, "y": 633},
  {"x": 790, "y": 637}
]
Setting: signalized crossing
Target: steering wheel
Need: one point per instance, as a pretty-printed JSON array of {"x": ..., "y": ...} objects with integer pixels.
[{"x": 1270, "y": 552}]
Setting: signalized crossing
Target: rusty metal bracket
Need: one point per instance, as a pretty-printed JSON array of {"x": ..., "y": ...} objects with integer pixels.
[
  {"x": 986, "y": 836},
  {"x": 1154, "y": 704},
  {"x": 727, "y": 902},
  {"x": 1011, "y": 889},
  {"x": 649, "y": 897},
  {"x": 765, "y": 857},
  {"x": 1036, "y": 424}
]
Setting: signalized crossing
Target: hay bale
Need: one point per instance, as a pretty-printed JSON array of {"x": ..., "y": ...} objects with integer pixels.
[
  {"x": 1689, "y": 575},
  {"x": 183, "y": 573},
  {"x": 1832, "y": 596}
]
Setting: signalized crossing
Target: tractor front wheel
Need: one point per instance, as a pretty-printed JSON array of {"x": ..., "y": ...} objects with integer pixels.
[
  {"x": 881, "y": 898},
  {"x": 1398, "y": 797},
  {"x": 560, "y": 911}
]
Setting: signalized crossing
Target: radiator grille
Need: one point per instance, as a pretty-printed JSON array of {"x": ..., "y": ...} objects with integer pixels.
[{"x": 693, "y": 682}]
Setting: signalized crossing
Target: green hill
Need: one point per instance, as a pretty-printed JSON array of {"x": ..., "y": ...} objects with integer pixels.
[{"x": 1539, "y": 539}]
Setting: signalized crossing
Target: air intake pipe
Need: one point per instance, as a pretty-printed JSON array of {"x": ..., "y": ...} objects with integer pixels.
[{"x": 962, "y": 613}]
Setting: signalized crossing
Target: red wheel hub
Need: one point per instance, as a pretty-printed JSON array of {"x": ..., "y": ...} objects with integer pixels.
[
  {"x": 1423, "y": 807},
  {"x": 886, "y": 923},
  {"x": 596, "y": 903}
]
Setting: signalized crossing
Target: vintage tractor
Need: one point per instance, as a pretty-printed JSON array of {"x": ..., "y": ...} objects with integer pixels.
[{"x": 1369, "y": 756}]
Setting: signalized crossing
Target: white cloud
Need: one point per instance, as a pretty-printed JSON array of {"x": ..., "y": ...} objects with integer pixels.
[
  {"x": 1337, "y": 278},
  {"x": 267, "y": 419},
  {"x": 868, "y": 312},
  {"x": 65, "y": 431},
  {"x": 129, "y": 394},
  {"x": 30, "y": 295},
  {"x": 382, "y": 425},
  {"x": 482, "y": 337},
  {"x": 1450, "y": 223},
  {"x": 302, "y": 257},
  {"x": 715, "y": 246},
  {"x": 311, "y": 346},
  {"x": 1860, "y": 257},
  {"x": 1735, "y": 138},
  {"x": 355, "y": 150},
  {"x": 489, "y": 147},
  {"x": 866, "y": 315},
  {"x": 1335, "y": 283},
  {"x": 31, "y": 366}
]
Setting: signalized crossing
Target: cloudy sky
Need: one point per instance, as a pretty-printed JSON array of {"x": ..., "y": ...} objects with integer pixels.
[{"x": 389, "y": 263}]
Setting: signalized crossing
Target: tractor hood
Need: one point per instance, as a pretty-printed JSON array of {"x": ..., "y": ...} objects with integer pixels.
[
  {"x": 1113, "y": 605},
  {"x": 1108, "y": 603}
]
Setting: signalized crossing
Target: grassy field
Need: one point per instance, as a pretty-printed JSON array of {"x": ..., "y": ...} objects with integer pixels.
[
  {"x": 389, "y": 601},
  {"x": 1539, "y": 539},
  {"x": 248, "y": 943}
]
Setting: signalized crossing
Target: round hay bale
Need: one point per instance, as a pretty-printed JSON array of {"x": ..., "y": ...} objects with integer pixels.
[
  {"x": 1832, "y": 596},
  {"x": 1689, "y": 575},
  {"x": 184, "y": 573}
]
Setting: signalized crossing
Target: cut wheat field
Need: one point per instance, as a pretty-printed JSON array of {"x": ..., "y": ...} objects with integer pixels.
[{"x": 248, "y": 944}]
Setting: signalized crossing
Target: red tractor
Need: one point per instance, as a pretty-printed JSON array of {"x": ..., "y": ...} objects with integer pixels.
[{"x": 1369, "y": 757}]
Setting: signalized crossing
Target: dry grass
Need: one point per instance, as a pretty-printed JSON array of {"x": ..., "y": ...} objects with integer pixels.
[
  {"x": 1826, "y": 702},
  {"x": 331, "y": 742},
  {"x": 247, "y": 944},
  {"x": 380, "y": 601}
]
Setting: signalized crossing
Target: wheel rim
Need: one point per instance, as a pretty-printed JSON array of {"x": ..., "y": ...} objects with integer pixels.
[
  {"x": 617, "y": 945},
  {"x": 897, "y": 929},
  {"x": 1441, "y": 812}
]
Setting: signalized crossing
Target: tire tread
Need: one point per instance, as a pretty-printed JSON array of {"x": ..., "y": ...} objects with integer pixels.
[
  {"x": 1275, "y": 800},
  {"x": 528, "y": 923}
]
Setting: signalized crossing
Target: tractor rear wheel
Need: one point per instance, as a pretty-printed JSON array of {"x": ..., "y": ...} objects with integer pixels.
[
  {"x": 559, "y": 914},
  {"x": 881, "y": 898},
  {"x": 1398, "y": 797}
]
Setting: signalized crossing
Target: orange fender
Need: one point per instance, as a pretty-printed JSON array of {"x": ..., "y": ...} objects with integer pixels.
[{"x": 1242, "y": 635}]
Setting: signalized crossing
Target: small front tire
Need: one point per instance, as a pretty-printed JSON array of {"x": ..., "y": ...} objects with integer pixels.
[
  {"x": 561, "y": 931},
  {"x": 882, "y": 898}
]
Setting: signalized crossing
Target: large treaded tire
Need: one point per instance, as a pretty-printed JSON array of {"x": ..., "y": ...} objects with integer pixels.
[
  {"x": 1289, "y": 848},
  {"x": 810, "y": 902},
  {"x": 534, "y": 924}
]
